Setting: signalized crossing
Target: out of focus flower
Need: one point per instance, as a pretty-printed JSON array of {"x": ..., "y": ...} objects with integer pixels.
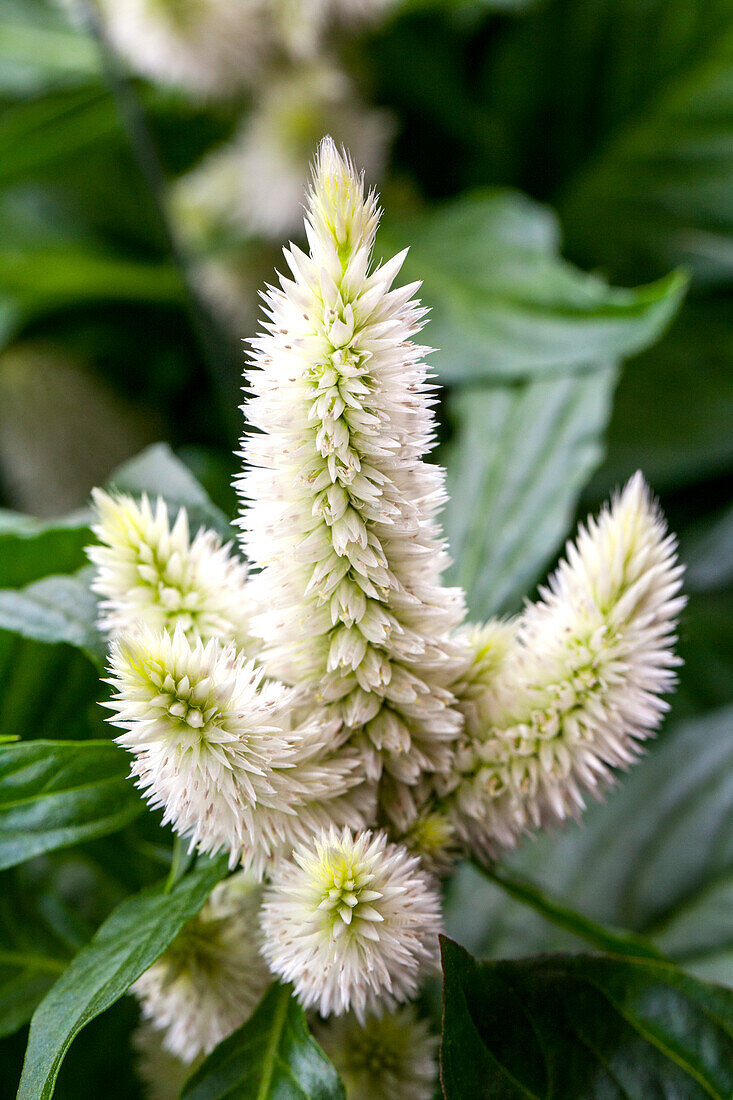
[
  {"x": 387, "y": 1057},
  {"x": 211, "y": 47},
  {"x": 151, "y": 573},
  {"x": 254, "y": 185},
  {"x": 162, "y": 1075},
  {"x": 340, "y": 507},
  {"x": 583, "y": 684},
  {"x": 210, "y": 979},
  {"x": 352, "y": 922},
  {"x": 87, "y": 429}
]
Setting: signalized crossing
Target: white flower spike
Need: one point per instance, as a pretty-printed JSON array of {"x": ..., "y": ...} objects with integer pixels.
[
  {"x": 211, "y": 978},
  {"x": 583, "y": 684},
  {"x": 340, "y": 508},
  {"x": 152, "y": 574},
  {"x": 352, "y": 922}
]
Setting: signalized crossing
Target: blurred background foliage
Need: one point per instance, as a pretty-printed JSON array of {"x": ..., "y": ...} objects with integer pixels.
[{"x": 538, "y": 157}]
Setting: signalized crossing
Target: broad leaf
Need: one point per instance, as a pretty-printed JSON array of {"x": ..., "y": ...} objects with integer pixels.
[
  {"x": 39, "y": 934},
  {"x": 38, "y": 280},
  {"x": 506, "y": 307},
  {"x": 659, "y": 849},
  {"x": 516, "y": 465},
  {"x": 272, "y": 1056},
  {"x": 589, "y": 1028},
  {"x": 128, "y": 942},
  {"x": 31, "y": 548},
  {"x": 57, "y": 793},
  {"x": 39, "y": 48},
  {"x": 55, "y": 609},
  {"x": 674, "y": 405}
]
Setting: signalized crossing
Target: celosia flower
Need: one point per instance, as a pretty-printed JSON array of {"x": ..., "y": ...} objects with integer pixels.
[
  {"x": 352, "y": 922},
  {"x": 210, "y": 979},
  {"x": 387, "y": 1057},
  {"x": 154, "y": 575},
  {"x": 206, "y": 733},
  {"x": 254, "y": 185},
  {"x": 210, "y": 47},
  {"x": 583, "y": 684},
  {"x": 341, "y": 510}
]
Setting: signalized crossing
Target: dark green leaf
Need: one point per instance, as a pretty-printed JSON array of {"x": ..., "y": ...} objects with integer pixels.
[
  {"x": 590, "y": 1028},
  {"x": 48, "y": 691},
  {"x": 516, "y": 465},
  {"x": 506, "y": 307},
  {"x": 674, "y": 405},
  {"x": 55, "y": 609},
  {"x": 128, "y": 942},
  {"x": 31, "y": 548},
  {"x": 272, "y": 1056},
  {"x": 57, "y": 793}
]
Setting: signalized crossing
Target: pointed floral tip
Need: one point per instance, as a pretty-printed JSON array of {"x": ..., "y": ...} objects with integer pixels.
[
  {"x": 210, "y": 979},
  {"x": 388, "y": 1057},
  {"x": 152, "y": 574},
  {"x": 205, "y": 732},
  {"x": 352, "y": 922},
  {"x": 583, "y": 684},
  {"x": 340, "y": 509}
]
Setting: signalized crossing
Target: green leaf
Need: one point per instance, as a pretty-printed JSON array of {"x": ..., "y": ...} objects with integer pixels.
[
  {"x": 57, "y": 793},
  {"x": 272, "y": 1056},
  {"x": 48, "y": 691},
  {"x": 126, "y": 944},
  {"x": 656, "y": 193},
  {"x": 55, "y": 609},
  {"x": 157, "y": 471},
  {"x": 516, "y": 465},
  {"x": 504, "y": 306},
  {"x": 597, "y": 935},
  {"x": 39, "y": 48},
  {"x": 31, "y": 548},
  {"x": 34, "y": 281},
  {"x": 658, "y": 849},
  {"x": 39, "y": 934},
  {"x": 674, "y": 405},
  {"x": 582, "y": 1027}
]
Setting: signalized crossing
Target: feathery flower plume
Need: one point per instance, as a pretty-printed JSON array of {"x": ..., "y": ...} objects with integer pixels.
[
  {"x": 352, "y": 922},
  {"x": 388, "y": 1057},
  {"x": 154, "y": 575},
  {"x": 583, "y": 684},
  {"x": 205, "y": 731},
  {"x": 210, "y": 979},
  {"x": 340, "y": 508},
  {"x": 254, "y": 185},
  {"x": 237, "y": 762}
]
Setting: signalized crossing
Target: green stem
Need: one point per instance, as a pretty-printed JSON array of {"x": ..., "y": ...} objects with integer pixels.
[{"x": 602, "y": 937}]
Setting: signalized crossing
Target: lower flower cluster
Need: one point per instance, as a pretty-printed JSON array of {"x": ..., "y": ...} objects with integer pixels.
[{"x": 347, "y": 742}]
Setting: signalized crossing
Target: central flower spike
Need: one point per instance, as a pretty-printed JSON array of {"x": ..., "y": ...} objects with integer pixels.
[
  {"x": 351, "y": 922},
  {"x": 340, "y": 509}
]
